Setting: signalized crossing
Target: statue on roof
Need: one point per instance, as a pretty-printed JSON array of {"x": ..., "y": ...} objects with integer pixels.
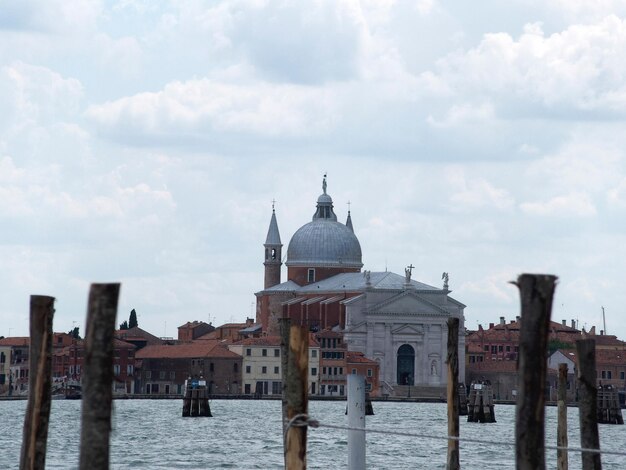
[
  {"x": 407, "y": 273},
  {"x": 324, "y": 184},
  {"x": 445, "y": 278}
]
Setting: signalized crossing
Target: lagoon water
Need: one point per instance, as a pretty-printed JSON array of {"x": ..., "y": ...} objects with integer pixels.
[{"x": 246, "y": 434}]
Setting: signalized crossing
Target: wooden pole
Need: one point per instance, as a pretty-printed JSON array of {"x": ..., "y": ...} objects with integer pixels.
[
  {"x": 536, "y": 293},
  {"x": 35, "y": 434},
  {"x": 285, "y": 325},
  {"x": 297, "y": 396},
  {"x": 98, "y": 377},
  {"x": 587, "y": 404},
  {"x": 356, "y": 419},
  {"x": 453, "y": 394},
  {"x": 561, "y": 431}
]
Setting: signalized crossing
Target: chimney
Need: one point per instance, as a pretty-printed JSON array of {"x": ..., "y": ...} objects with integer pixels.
[
  {"x": 491, "y": 325},
  {"x": 564, "y": 322},
  {"x": 512, "y": 321},
  {"x": 573, "y": 323},
  {"x": 518, "y": 318},
  {"x": 601, "y": 332},
  {"x": 502, "y": 321}
]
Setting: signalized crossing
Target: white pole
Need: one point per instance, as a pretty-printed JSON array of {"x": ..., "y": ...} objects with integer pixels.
[{"x": 356, "y": 419}]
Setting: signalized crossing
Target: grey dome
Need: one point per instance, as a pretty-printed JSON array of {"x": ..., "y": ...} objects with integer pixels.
[{"x": 324, "y": 243}]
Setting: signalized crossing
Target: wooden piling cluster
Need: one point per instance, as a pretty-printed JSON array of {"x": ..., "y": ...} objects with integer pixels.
[
  {"x": 609, "y": 411},
  {"x": 480, "y": 407},
  {"x": 196, "y": 399},
  {"x": 462, "y": 400}
]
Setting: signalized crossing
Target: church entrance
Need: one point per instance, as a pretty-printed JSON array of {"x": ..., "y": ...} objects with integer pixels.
[{"x": 406, "y": 365}]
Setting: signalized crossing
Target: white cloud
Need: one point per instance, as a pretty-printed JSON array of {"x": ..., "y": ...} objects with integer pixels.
[
  {"x": 470, "y": 192},
  {"x": 577, "y": 70},
  {"x": 206, "y": 106},
  {"x": 574, "y": 204}
]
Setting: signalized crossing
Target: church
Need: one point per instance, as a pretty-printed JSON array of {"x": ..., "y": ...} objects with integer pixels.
[{"x": 392, "y": 319}]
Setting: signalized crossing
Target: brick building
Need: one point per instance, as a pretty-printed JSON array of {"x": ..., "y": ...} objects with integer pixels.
[{"x": 163, "y": 369}]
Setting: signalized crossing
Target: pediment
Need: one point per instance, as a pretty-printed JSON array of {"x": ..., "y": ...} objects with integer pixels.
[
  {"x": 407, "y": 303},
  {"x": 408, "y": 329}
]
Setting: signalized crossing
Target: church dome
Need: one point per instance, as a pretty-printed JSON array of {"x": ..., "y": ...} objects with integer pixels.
[{"x": 324, "y": 242}]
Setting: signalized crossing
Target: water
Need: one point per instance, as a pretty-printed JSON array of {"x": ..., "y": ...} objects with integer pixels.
[{"x": 246, "y": 434}]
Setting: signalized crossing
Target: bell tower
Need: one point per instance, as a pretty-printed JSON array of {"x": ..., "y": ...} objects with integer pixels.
[{"x": 273, "y": 253}]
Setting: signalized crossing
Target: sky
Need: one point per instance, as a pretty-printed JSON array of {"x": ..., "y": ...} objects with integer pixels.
[{"x": 143, "y": 142}]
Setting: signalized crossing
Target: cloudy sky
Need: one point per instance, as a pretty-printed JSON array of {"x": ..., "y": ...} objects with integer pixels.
[{"x": 143, "y": 142}]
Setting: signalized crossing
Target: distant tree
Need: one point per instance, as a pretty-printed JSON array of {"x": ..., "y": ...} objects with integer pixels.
[
  {"x": 124, "y": 325},
  {"x": 555, "y": 344},
  {"x": 1, "y": 337},
  {"x": 74, "y": 333},
  {"x": 132, "y": 320}
]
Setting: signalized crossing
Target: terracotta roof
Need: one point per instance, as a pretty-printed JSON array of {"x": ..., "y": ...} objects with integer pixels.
[
  {"x": 232, "y": 325},
  {"x": 15, "y": 341},
  {"x": 193, "y": 349},
  {"x": 137, "y": 333},
  {"x": 353, "y": 357},
  {"x": 119, "y": 344}
]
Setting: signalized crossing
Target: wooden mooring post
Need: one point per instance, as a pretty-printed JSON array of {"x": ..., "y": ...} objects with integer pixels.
[
  {"x": 35, "y": 434},
  {"x": 196, "y": 398},
  {"x": 609, "y": 411},
  {"x": 452, "y": 360},
  {"x": 462, "y": 400},
  {"x": 98, "y": 377},
  {"x": 285, "y": 327},
  {"x": 561, "y": 430},
  {"x": 536, "y": 294},
  {"x": 297, "y": 396},
  {"x": 480, "y": 407},
  {"x": 587, "y": 403}
]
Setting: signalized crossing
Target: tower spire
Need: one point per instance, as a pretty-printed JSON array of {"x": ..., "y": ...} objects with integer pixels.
[
  {"x": 273, "y": 248},
  {"x": 349, "y": 220}
]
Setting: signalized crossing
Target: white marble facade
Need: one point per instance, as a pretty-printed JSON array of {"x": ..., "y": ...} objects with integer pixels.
[{"x": 405, "y": 331}]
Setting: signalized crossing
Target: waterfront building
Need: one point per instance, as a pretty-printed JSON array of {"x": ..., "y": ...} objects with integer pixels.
[
  {"x": 396, "y": 321},
  {"x": 262, "y": 366},
  {"x": 357, "y": 363},
  {"x": 163, "y": 369}
]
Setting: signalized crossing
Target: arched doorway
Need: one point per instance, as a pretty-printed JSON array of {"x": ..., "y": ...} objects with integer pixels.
[{"x": 406, "y": 365}]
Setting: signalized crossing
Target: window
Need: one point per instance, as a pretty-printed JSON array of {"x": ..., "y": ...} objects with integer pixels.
[
  {"x": 116, "y": 369},
  {"x": 162, "y": 375},
  {"x": 246, "y": 389},
  {"x": 129, "y": 369},
  {"x": 369, "y": 372},
  {"x": 264, "y": 370},
  {"x": 248, "y": 352},
  {"x": 500, "y": 348},
  {"x": 621, "y": 375},
  {"x": 486, "y": 348},
  {"x": 172, "y": 375},
  {"x": 235, "y": 367},
  {"x": 211, "y": 367},
  {"x": 341, "y": 371},
  {"x": 354, "y": 371},
  {"x": 273, "y": 253},
  {"x": 276, "y": 352},
  {"x": 277, "y": 388},
  {"x": 148, "y": 374},
  {"x": 264, "y": 352},
  {"x": 311, "y": 277},
  {"x": 3, "y": 358},
  {"x": 324, "y": 370},
  {"x": 609, "y": 374},
  {"x": 314, "y": 353},
  {"x": 313, "y": 370},
  {"x": 508, "y": 349},
  {"x": 248, "y": 370},
  {"x": 494, "y": 349},
  {"x": 368, "y": 387},
  {"x": 276, "y": 369}
]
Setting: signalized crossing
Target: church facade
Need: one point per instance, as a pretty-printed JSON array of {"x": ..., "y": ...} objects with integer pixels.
[{"x": 398, "y": 322}]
